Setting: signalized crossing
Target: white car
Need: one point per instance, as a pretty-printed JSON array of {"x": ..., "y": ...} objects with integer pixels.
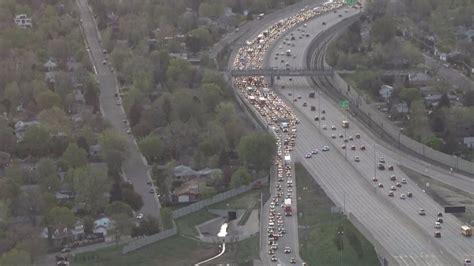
[
  {"x": 437, "y": 225},
  {"x": 315, "y": 151},
  {"x": 139, "y": 216},
  {"x": 287, "y": 250},
  {"x": 325, "y": 148},
  {"x": 403, "y": 196},
  {"x": 308, "y": 155},
  {"x": 404, "y": 181}
]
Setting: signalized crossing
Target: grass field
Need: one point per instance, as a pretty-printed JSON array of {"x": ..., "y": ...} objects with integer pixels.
[
  {"x": 320, "y": 243},
  {"x": 181, "y": 249}
]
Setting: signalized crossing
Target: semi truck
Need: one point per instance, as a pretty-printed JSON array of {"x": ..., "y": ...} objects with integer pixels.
[
  {"x": 466, "y": 230},
  {"x": 287, "y": 207}
]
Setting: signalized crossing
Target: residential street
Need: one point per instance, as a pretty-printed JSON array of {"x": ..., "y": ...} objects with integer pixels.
[
  {"x": 135, "y": 168},
  {"x": 452, "y": 76}
]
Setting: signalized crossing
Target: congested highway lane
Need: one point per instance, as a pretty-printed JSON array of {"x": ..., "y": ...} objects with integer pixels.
[{"x": 410, "y": 240}]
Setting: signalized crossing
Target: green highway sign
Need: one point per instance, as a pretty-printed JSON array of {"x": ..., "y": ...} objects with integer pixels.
[
  {"x": 344, "y": 104},
  {"x": 350, "y": 2}
]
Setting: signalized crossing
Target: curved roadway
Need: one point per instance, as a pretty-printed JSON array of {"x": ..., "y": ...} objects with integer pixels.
[{"x": 393, "y": 222}]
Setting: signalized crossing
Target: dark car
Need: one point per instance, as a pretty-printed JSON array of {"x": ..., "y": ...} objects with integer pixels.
[
  {"x": 381, "y": 166},
  {"x": 362, "y": 147},
  {"x": 440, "y": 214},
  {"x": 313, "y": 108},
  {"x": 390, "y": 167},
  {"x": 439, "y": 220}
]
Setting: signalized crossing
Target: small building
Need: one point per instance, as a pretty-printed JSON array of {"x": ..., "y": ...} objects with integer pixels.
[
  {"x": 50, "y": 65},
  {"x": 23, "y": 21},
  {"x": 469, "y": 142},
  {"x": 418, "y": 79},
  {"x": 401, "y": 108},
  {"x": 385, "y": 92},
  {"x": 102, "y": 224},
  {"x": 187, "y": 192}
]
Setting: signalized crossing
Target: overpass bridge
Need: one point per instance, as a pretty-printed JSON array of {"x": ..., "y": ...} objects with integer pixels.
[{"x": 274, "y": 72}]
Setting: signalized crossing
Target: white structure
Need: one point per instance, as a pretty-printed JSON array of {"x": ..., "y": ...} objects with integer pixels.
[
  {"x": 23, "y": 21},
  {"x": 469, "y": 142}
]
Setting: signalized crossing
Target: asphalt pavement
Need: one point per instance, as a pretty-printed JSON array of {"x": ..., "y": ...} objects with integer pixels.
[
  {"x": 135, "y": 168},
  {"x": 393, "y": 222}
]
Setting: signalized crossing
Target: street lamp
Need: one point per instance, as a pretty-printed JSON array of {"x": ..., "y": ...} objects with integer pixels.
[{"x": 399, "y": 133}]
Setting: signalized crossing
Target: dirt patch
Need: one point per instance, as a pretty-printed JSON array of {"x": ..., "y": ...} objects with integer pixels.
[{"x": 444, "y": 194}]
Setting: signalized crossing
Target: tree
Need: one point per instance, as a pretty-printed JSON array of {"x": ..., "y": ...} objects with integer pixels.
[
  {"x": 47, "y": 175},
  {"x": 56, "y": 121},
  {"x": 119, "y": 207},
  {"x": 60, "y": 215},
  {"x": 257, "y": 150},
  {"x": 383, "y": 29},
  {"x": 131, "y": 197},
  {"x": 435, "y": 143},
  {"x": 152, "y": 148},
  {"x": 444, "y": 101},
  {"x": 149, "y": 225},
  {"x": 7, "y": 139},
  {"x": 410, "y": 94},
  {"x": 114, "y": 149},
  {"x": 198, "y": 38},
  {"x": 16, "y": 257},
  {"x": 180, "y": 71},
  {"x": 36, "y": 141},
  {"x": 11, "y": 96},
  {"x": 211, "y": 95},
  {"x": 468, "y": 99},
  {"x": 240, "y": 177},
  {"x": 74, "y": 156},
  {"x": 90, "y": 186},
  {"x": 47, "y": 99},
  {"x": 123, "y": 225}
]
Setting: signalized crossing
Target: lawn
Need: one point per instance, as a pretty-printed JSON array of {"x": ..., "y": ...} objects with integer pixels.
[
  {"x": 181, "y": 249},
  {"x": 186, "y": 224},
  {"x": 241, "y": 252},
  {"x": 318, "y": 236},
  {"x": 175, "y": 250},
  {"x": 242, "y": 201}
]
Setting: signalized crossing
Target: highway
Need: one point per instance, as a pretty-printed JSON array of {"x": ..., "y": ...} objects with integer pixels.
[
  {"x": 135, "y": 168},
  {"x": 392, "y": 221}
]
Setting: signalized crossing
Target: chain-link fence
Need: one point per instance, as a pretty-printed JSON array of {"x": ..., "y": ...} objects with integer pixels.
[{"x": 215, "y": 199}]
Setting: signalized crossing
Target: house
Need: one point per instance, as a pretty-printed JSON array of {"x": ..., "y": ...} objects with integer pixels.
[
  {"x": 432, "y": 99},
  {"x": 400, "y": 108},
  {"x": 60, "y": 234},
  {"x": 469, "y": 142},
  {"x": 77, "y": 231},
  {"x": 182, "y": 172},
  {"x": 23, "y": 21},
  {"x": 21, "y": 127},
  {"x": 50, "y": 65},
  {"x": 187, "y": 192},
  {"x": 427, "y": 90},
  {"x": 102, "y": 224},
  {"x": 386, "y": 92},
  {"x": 418, "y": 79}
]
